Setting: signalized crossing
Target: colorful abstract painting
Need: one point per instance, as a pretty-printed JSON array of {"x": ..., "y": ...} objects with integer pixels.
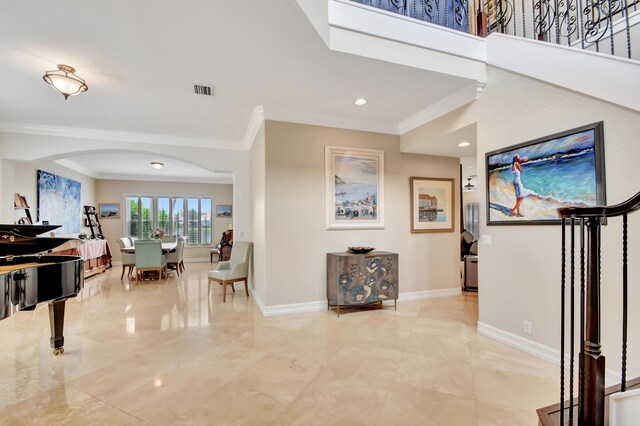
[
  {"x": 59, "y": 202},
  {"x": 354, "y": 183},
  {"x": 529, "y": 182}
]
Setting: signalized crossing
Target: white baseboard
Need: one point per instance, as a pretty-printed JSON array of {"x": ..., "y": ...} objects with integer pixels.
[
  {"x": 536, "y": 349},
  {"x": 429, "y": 294},
  {"x": 196, "y": 260},
  {"x": 320, "y": 305}
]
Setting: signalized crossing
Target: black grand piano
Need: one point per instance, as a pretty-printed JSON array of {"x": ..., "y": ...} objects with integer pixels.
[{"x": 28, "y": 277}]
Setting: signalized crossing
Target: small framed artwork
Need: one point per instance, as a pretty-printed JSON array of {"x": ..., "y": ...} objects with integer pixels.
[
  {"x": 223, "y": 210},
  {"x": 527, "y": 183},
  {"x": 109, "y": 210},
  {"x": 432, "y": 204},
  {"x": 354, "y": 186}
]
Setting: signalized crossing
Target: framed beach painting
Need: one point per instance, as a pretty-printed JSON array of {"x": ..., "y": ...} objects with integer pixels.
[
  {"x": 223, "y": 210},
  {"x": 527, "y": 183},
  {"x": 109, "y": 210},
  {"x": 432, "y": 204},
  {"x": 59, "y": 202},
  {"x": 354, "y": 182}
]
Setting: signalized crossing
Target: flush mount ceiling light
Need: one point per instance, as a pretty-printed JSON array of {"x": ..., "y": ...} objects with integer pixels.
[
  {"x": 360, "y": 101},
  {"x": 463, "y": 144},
  {"x": 157, "y": 165},
  {"x": 65, "y": 81}
]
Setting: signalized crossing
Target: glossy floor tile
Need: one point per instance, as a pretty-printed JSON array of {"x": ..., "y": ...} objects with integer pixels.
[{"x": 171, "y": 352}]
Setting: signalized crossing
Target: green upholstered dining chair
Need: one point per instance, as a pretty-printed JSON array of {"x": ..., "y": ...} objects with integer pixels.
[
  {"x": 175, "y": 257},
  {"x": 149, "y": 257},
  {"x": 128, "y": 259},
  {"x": 234, "y": 270}
]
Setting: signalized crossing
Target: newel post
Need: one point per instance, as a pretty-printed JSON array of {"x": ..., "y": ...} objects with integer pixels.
[{"x": 594, "y": 361}]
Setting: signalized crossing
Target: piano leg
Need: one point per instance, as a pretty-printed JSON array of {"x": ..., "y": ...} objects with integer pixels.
[{"x": 56, "y": 321}]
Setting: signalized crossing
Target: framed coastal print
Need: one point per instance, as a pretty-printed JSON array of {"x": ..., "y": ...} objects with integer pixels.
[
  {"x": 432, "y": 204},
  {"x": 59, "y": 202},
  {"x": 527, "y": 183},
  {"x": 354, "y": 185},
  {"x": 109, "y": 210},
  {"x": 223, "y": 210}
]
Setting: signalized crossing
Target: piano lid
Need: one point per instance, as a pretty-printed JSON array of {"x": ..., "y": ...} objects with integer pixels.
[
  {"x": 28, "y": 230},
  {"x": 16, "y": 240}
]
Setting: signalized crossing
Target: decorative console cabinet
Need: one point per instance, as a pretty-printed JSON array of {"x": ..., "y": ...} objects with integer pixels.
[{"x": 361, "y": 279}]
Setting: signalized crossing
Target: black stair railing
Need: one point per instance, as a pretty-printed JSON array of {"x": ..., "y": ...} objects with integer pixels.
[
  {"x": 452, "y": 14},
  {"x": 591, "y": 362},
  {"x": 598, "y": 25}
]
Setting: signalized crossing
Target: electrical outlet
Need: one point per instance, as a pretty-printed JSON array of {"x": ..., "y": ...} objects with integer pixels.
[{"x": 528, "y": 327}]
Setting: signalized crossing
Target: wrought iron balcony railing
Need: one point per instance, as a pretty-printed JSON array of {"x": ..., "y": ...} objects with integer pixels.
[
  {"x": 599, "y": 25},
  {"x": 448, "y": 13}
]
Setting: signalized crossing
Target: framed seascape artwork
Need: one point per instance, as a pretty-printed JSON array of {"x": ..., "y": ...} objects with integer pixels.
[
  {"x": 432, "y": 205},
  {"x": 354, "y": 186},
  {"x": 527, "y": 183},
  {"x": 59, "y": 202},
  {"x": 223, "y": 210},
  {"x": 109, "y": 210}
]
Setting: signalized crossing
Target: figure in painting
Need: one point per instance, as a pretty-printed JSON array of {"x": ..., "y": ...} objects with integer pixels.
[{"x": 516, "y": 169}]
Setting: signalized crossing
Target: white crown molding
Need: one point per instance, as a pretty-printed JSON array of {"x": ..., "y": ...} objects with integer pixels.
[
  {"x": 69, "y": 164},
  {"x": 114, "y": 135},
  {"x": 327, "y": 120},
  {"x": 536, "y": 349},
  {"x": 256, "y": 120},
  {"x": 149, "y": 178},
  {"x": 452, "y": 102}
]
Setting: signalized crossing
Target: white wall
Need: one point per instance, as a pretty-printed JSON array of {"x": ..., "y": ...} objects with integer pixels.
[
  {"x": 297, "y": 241},
  {"x": 114, "y": 191},
  {"x": 520, "y": 272},
  {"x": 258, "y": 177}
]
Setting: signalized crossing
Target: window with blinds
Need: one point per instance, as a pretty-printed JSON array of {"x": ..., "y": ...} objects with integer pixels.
[
  {"x": 472, "y": 219},
  {"x": 179, "y": 216}
]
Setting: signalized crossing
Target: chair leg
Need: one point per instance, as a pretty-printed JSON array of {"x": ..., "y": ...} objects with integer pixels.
[
  {"x": 233, "y": 287},
  {"x": 122, "y": 275},
  {"x": 137, "y": 274},
  {"x": 211, "y": 260},
  {"x": 246, "y": 286},
  {"x": 130, "y": 271},
  {"x": 224, "y": 292}
]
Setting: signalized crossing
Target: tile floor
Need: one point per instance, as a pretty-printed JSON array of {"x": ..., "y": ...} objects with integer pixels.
[{"x": 173, "y": 353}]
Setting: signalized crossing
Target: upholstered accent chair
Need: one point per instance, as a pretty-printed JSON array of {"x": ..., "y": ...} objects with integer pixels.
[
  {"x": 234, "y": 270},
  {"x": 149, "y": 257},
  {"x": 128, "y": 259},
  {"x": 214, "y": 252},
  {"x": 176, "y": 258}
]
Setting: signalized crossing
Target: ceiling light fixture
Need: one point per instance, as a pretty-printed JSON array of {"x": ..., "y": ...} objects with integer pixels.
[
  {"x": 157, "y": 165},
  {"x": 469, "y": 186},
  {"x": 463, "y": 144},
  {"x": 65, "y": 81},
  {"x": 360, "y": 101}
]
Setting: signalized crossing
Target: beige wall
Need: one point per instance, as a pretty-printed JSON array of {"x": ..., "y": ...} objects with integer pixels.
[
  {"x": 520, "y": 271},
  {"x": 21, "y": 177},
  {"x": 297, "y": 241},
  {"x": 114, "y": 191},
  {"x": 258, "y": 214}
]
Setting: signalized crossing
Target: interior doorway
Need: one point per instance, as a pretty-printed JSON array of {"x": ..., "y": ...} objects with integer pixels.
[{"x": 469, "y": 224}]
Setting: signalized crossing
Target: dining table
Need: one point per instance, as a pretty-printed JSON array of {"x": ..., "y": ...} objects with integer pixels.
[{"x": 166, "y": 248}]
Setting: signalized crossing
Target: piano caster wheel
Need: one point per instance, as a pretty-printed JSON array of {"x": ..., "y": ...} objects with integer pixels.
[{"x": 58, "y": 351}]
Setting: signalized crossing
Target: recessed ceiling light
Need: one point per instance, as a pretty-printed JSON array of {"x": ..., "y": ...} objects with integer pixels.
[
  {"x": 463, "y": 144},
  {"x": 360, "y": 101},
  {"x": 157, "y": 165}
]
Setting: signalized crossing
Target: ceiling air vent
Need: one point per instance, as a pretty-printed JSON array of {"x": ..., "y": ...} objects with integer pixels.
[{"x": 200, "y": 89}]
